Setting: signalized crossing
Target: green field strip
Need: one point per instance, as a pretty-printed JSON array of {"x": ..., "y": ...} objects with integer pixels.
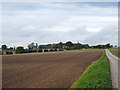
[
  {"x": 114, "y": 53},
  {"x": 97, "y": 75}
]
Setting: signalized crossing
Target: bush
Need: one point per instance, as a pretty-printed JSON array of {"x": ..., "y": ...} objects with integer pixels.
[
  {"x": 7, "y": 52},
  {"x": 25, "y": 51},
  {"x": 55, "y": 49},
  {"x": 69, "y": 49},
  {"x": 29, "y": 50},
  {"x": 34, "y": 50},
  {"x": 60, "y": 49},
  {"x": 40, "y": 50},
  {"x": 45, "y": 50},
  {"x": 51, "y": 50},
  {"x": 10, "y": 52},
  {"x": 19, "y": 51}
]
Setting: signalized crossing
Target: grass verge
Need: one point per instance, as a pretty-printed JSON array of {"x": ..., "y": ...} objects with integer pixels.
[
  {"x": 97, "y": 75},
  {"x": 114, "y": 53}
]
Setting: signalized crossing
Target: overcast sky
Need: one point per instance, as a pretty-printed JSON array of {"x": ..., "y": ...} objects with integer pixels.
[{"x": 45, "y": 22}]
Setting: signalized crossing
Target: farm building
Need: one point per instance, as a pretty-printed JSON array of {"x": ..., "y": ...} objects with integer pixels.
[{"x": 43, "y": 47}]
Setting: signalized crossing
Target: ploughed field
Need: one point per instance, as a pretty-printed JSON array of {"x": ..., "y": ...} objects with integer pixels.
[
  {"x": 47, "y": 70},
  {"x": 117, "y": 50}
]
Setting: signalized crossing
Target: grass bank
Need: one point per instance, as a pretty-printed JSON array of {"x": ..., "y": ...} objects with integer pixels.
[
  {"x": 97, "y": 75},
  {"x": 114, "y": 53}
]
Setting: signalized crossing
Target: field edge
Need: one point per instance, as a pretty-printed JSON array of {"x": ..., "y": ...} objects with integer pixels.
[
  {"x": 84, "y": 81},
  {"x": 114, "y": 53}
]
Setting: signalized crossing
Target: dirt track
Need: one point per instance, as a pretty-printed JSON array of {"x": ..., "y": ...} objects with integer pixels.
[{"x": 49, "y": 70}]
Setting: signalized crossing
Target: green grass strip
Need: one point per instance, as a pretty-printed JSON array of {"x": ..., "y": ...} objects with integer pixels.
[
  {"x": 114, "y": 53},
  {"x": 97, "y": 75}
]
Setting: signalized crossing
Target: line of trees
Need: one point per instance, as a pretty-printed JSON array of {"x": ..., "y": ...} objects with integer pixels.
[
  {"x": 21, "y": 49},
  {"x": 4, "y": 47},
  {"x": 70, "y": 46},
  {"x": 53, "y": 47}
]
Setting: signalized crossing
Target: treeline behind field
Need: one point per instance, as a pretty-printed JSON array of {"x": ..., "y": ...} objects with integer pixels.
[
  {"x": 73, "y": 46},
  {"x": 61, "y": 46},
  {"x": 54, "y": 47}
]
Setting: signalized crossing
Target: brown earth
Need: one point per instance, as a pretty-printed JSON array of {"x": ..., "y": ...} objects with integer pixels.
[
  {"x": 48, "y": 70},
  {"x": 116, "y": 50}
]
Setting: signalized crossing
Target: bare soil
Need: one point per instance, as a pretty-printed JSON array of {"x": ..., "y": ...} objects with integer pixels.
[
  {"x": 48, "y": 70},
  {"x": 117, "y": 51}
]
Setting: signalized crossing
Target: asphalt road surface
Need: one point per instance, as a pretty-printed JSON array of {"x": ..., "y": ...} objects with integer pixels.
[
  {"x": 114, "y": 66},
  {"x": 48, "y": 70}
]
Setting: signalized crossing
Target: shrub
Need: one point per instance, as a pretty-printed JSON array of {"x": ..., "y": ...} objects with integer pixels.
[
  {"x": 55, "y": 49},
  {"x": 10, "y": 52},
  {"x": 60, "y": 49},
  {"x": 34, "y": 50},
  {"x": 29, "y": 50},
  {"x": 7, "y": 52},
  {"x": 51, "y": 50},
  {"x": 40, "y": 50},
  {"x": 18, "y": 51},
  {"x": 45, "y": 50},
  {"x": 69, "y": 49},
  {"x": 25, "y": 51}
]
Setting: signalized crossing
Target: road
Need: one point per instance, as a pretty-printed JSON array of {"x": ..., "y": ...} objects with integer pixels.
[
  {"x": 114, "y": 66},
  {"x": 48, "y": 70}
]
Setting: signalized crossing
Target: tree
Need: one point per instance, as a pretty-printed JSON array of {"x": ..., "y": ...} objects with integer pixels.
[
  {"x": 20, "y": 48},
  {"x": 4, "y": 47},
  {"x": 54, "y": 45},
  {"x": 29, "y": 46},
  {"x": 76, "y": 46},
  {"x": 7, "y": 52},
  {"x": 69, "y": 44},
  {"x": 60, "y": 44},
  {"x": 79, "y": 45},
  {"x": 107, "y": 45},
  {"x": 32, "y": 46},
  {"x": 86, "y": 46},
  {"x": 11, "y": 47}
]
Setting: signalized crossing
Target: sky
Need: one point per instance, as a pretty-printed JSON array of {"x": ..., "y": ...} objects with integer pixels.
[{"x": 53, "y": 22}]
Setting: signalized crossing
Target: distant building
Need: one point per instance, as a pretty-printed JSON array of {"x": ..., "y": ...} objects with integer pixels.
[
  {"x": 33, "y": 46},
  {"x": 64, "y": 46},
  {"x": 43, "y": 47}
]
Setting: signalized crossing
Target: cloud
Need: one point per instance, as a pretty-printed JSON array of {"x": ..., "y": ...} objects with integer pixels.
[
  {"x": 108, "y": 34},
  {"x": 26, "y": 22},
  {"x": 79, "y": 31}
]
